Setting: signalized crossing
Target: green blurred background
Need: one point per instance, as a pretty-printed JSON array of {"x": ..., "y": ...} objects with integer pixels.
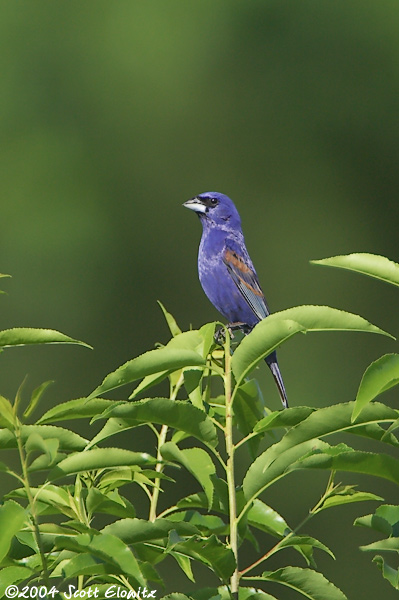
[{"x": 114, "y": 113}]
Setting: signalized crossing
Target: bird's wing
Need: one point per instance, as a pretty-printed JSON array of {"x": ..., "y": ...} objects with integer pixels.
[{"x": 241, "y": 270}]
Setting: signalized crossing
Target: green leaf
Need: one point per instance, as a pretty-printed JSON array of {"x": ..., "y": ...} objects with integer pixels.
[
  {"x": 266, "y": 519},
  {"x": 111, "y": 504},
  {"x": 12, "y": 518},
  {"x": 262, "y": 341},
  {"x": 134, "y": 531},
  {"x": 223, "y": 593},
  {"x": 320, "y": 423},
  {"x": 178, "y": 414},
  {"x": 107, "y": 548},
  {"x": 176, "y": 596},
  {"x": 154, "y": 361},
  {"x": 196, "y": 461},
  {"x": 37, "y": 395},
  {"x": 68, "y": 440},
  {"x": 249, "y": 408},
  {"x": 185, "y": 564},
  {"x": 306, "y": 582},
  {"x": 7, "y": 418},
  {"x": 367, "y": 264},
  {"x": 51, "y": 495},
  {"x": 279, "y": 327},
  {"x": 99, "y": 458},
  {"x": 173, "y": 326},
  {"x": 384, "y": 520},
  {"x": 206, "y": 524},
  {"x": 210, "y": 552},
  {"x": 354, "y": 461},
  {"x": 346, "y": 494},
  {"x": 12, "y": 576},
  {"x": 302, "y": 541},
  {"x": 283, "y": 418},
  {"x": 24, "y": 336},
  {"x": 389, "y": 545},
  {"x": 35, "y": 443},
  {"x": 388, "y": 573},
  {"x": 380, "y": 376},
  {"x": 267, "y": 469},
  {"x": 80, "y": 408},
  {"x": 300, "y": 439}
]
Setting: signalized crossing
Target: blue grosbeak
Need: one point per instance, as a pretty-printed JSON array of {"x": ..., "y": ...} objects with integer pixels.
[{"x": 226, "y": 272}]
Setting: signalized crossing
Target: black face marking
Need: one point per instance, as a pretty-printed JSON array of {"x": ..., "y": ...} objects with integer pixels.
[{"x": 209, "y": 202}]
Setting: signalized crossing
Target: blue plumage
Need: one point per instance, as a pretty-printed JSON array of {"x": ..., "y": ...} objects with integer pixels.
[{"x": 225, "y": 269}]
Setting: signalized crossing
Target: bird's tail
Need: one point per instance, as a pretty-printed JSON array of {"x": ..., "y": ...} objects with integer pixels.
[{"x": 273, "y": 366}]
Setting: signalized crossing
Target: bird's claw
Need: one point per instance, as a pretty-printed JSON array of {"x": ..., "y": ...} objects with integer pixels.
[{"x": 220, "y": 336}]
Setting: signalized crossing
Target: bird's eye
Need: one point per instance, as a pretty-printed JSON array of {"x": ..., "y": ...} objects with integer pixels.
[{"x": 213, "y": 201}]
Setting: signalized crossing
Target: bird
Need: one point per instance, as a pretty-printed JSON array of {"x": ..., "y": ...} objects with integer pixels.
[{"x": 226, "y": 272}]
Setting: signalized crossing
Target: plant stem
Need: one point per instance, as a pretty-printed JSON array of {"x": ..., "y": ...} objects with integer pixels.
[
  {"x": 230, "y": 465},
  {"x": 160, "y": 467},
  {"x": 311, "y": 513},
  {"x": 36, "y": 529}
]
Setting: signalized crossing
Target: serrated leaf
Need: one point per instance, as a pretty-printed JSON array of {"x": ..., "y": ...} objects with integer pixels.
[
  {"x": 249, "y": 408},
  {"x": 263, "y": 517},
  {"x": 210, "y": 552},
  {"x": 197, "y": 462},
  {"x": 261, "y": 342},
  {"x": 99, "y": 458},
  {"x": 206, "y": 524},
  {"x": 279, "y": 327},
  {"x": 266, "y": 469},
  {"x": 380, "y": 376},
  {"x": 347, "y": 495},
  {"x": 283, "y": 418},
  {"x": 372, "y": 265},
  {"x": 68, "y": 440},
  {"x": 178, "y": 414},
  {"x": 154, "y": 361},
  {"x": 35, "y": 442},
  {"x": 12, "y": 576},
  {"x": 37, "y": 395},
  {"x": 320, "y": 423},
  {"x": 223, "y": 593},
  {"x": 354, "y": 461},
  {"x": 25, "y": 336},
  {"x": 185, "y": 564},
  {"x": 12, "y": 518},
  {"x": 389, "y": 545},
  {"x": 111, "y": 504},
  {"x": 176, "y": 596},
  {"x": 134, "y": 531},
  {"x": 303, "y": 541},
  {"x": 7, "y": 418},
  {"x": 306, "y": 582},
  {"x": 388, "y": 573},
  {"x": 80, "y": 408},
  {"x": 107, "y": 548},
  {"x": 171, "y": 321}
]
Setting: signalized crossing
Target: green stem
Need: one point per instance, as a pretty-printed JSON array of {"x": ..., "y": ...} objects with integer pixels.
[
  {"x": 31, "y": 500},
  {"x": 311, "y": 513},
  {"x": 234, "y": 581},
  {"x": 160, "y": 467}
]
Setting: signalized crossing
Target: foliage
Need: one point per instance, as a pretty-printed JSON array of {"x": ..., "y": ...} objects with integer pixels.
[
  {"x": 379, "y": 377},
  {"x": 214, "y": 412}
]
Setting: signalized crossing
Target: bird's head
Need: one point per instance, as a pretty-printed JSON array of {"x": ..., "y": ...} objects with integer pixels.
[{"x": 215, "y": 208}]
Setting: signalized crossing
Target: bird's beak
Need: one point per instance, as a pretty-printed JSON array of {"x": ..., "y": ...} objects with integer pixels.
[{"x": 195, "y": 204}]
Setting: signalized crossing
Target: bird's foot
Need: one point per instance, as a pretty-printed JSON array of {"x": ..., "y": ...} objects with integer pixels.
[{"x": 231, "y": 327}]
